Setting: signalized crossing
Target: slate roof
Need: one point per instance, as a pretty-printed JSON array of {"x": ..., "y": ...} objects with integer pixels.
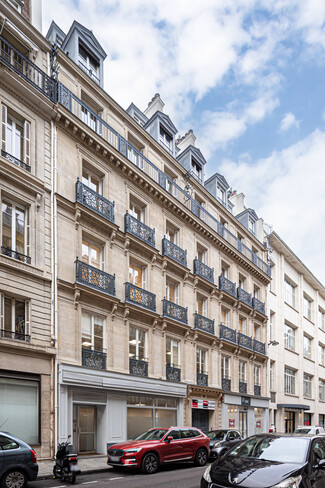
[{"x": 87, "y": 35}]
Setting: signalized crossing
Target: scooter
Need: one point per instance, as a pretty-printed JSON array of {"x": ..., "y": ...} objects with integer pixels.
[{"x": 66, "y": 464}]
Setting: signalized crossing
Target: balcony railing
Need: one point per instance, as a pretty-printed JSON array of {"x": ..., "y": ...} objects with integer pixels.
[
  {"x": 227, "y": 333},
  {"x": 138, "y": 367},
  {"x": 258, "y": 305},
  {"x": 242, "y": 387},
  {"x": 257, "y": 390},
  {"x": 8, "y": 334},
  {"x": 139, "y": 229},
  {"x": 203, "y": 270},
  {"x": 173, "y": 373},
  {"x": 203, "y": 323},
  {"x": 93, "y": 359},
  {"x": 90, "y": 72},
  {"x": 244, "y": 296},
  {"x": 6, "y": 251},
  {"x": 244, "y": 341},
  {"x": 16, "y": 161},
  {"x": 227, "y": 285},
  {"x": 259, "y": 346},
  {"x": 173, "y": 251},
  {"x": 226, "y": 384},
  {"x": 139, "y": 296},
  {"x": 202, "y": 379},
  {"x": 93, "y": 200},
  {"x": 104, "y": 130},
  {"x": 95, "y": 278},
  {"x": 15, "y": 60},
  {"x": 174, "y": 311}
]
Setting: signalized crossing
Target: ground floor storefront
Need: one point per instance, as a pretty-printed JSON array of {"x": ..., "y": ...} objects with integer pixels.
[
  {"x": 203, "y": 408},
  {"x": 248, "y": 415},
  {"x": 286, "y": 417}
]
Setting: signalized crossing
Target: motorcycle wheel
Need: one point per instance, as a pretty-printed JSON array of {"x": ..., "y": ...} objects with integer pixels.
[{"x": 71, "y": 478}]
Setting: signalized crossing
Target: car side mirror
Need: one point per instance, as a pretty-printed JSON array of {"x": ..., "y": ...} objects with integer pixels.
[{"x": 170, "y": 438}]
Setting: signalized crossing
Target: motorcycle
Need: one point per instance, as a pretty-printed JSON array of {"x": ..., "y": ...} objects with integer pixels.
[{"x": 66, "y": 464}]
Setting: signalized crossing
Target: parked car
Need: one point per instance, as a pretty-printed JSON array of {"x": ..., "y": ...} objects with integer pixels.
[
  {"x": 309, "y": 429},
  {"x": 159, "y": 446},
  {"x": 17, "y": 462},
  {"x": 221, "y": 441},
  {"x": 270, "y": 460}
]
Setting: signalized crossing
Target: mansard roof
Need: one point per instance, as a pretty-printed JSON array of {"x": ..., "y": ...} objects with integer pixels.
[
  {"x": 165, "y": 119},
  {"x": 195, "y": 152},
  {"x": 87, "y": 36},
  {"x": 220, "y": 178},
  {"x": 54, "y": 27},
  {"x": 251, "y": 212},
  {"x": 132, "y": 108}
]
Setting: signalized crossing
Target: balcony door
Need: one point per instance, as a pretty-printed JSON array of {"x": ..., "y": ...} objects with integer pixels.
[{"x": 92, "y": 254}]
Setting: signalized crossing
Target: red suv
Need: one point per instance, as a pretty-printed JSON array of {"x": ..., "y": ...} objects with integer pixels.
[{"x": 158, "y": 446}]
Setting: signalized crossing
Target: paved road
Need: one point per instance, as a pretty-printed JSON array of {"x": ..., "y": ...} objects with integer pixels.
[{"x": 177, "y": 476}]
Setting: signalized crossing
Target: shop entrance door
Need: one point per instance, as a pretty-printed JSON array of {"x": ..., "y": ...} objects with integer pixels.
[
  {"x": 289, "y": 422},
  {"x": 200, "y": 419},
  {"x": 86, "y": 429},
  {"x": 243, "y": 423}
]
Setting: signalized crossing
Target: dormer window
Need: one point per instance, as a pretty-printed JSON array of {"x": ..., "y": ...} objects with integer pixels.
[
  {"x": 196, "y": 169},
  {"x": 251, "y": 225},
  {"x": 16, "y": 4},
  {"x": 88, "y": 63},
  {"x": 136, "y": 118},
  {"x": 165, "y": 139},
  {"x": 221, "y": 194}
]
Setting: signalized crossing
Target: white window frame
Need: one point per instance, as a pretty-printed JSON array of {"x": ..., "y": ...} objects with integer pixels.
[
  {"x": 289, "y": 337},
  {"x": 173, "y": 343},
  {"x": 89, "y": 66},
  {"x": 196, "y": 169},
  {"x": 133, "y": 264},
  {"x": 204, "y": 305},
  {"x": 257, "y": 375},
  {"x": 307, "y": 307},
  {"x": 225, "y": 367},
  {"x": 23, "y": 209},
  {"x": 307, "y": 385},
  {"x": 243, "y": 322},
  {"x": 93, "y": 318},
  {"x": 201, "y": 360},
  {"x": 165, "y": 139},
  {"x": 251, "y": 225},
  {"x": 132, "y": 211},
  {"x": 221, "y": 194},
  {"x": 176, "y": 285},
  {"x": 307, "y": 347},
  {"x": 272, "y": 365},
  {"x": 321, "y": 355},
  {"x": 289, "y": 293},
  {"x": 289, "y": 381},
  {"x": 25, "y": 156},
  {"x": 321, "y": 386},
  {"x": 137, "y": 331},
  {"x": 101, "y": 252},
  {"x": 91, "y": 174},
  {"x": 321, "y": 319},
  {"x": 227, "y": 316},
  {"x": 3, "y": 297},
  {"x": 242, "y": 369}
]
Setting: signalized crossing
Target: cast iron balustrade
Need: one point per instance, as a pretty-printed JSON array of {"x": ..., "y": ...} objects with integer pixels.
[
  {"x": 15, "y": 60},
  {"x": 6, "y": 251},
  {"x": 93, "y": 200},
  {"x": 226, "y": 384},
  {"x": 203, "y": 323},
  {"x": 138, "y": 229},
  {"x": 259, "y": 346},
  {"x": 16, "y": 161},
  {"x": 174, "y": 311},
  {"x": 244, "y": 296},
  {"x": 242, "y": 387},
  {"x": 93, "y": 359},
  {"x": 203, "y": 270},
  {"x": 258, "y": 305},
  {"x": 173, "y": 251},
  {"x": 202, "y": 379},
  {"x": 227, "y": 285},
  {"x": 8, "y": 334},
  {"x": 139, "y": 296},
  {"x": 173, "y": 373},
  {"x": 227, "y": 333},
  {"x": 257, "y": 390},
  {"x": 138, "y": 367},
  {"x": 244, "y": 341},
  {"x": 95, "y": 278},
  {"x": 106, "y": 132},
  {"x": 89, "y": 71}
]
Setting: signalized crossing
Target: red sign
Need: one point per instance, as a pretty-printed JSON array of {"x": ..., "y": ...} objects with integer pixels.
[
  {"x": 258, "y": 424},
  {"x": 231, "y": 423}
]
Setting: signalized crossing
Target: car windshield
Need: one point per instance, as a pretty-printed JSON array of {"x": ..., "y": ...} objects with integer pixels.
[
  {"x": 217, "y": 435},
  {"x": 153, "y": 434},
  {"x": 302, "y": 431},
  {"x": 280, "y": 449}
]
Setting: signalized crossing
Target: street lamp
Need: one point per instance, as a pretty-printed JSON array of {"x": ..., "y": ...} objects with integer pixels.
[{"x": 273, "y": 343}]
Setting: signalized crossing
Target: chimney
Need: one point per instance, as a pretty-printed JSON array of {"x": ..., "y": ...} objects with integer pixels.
[
  {"x": 155, "y": 104},
  {"x": 238, "y": 200},
  {"x": 185, "y": 141}
]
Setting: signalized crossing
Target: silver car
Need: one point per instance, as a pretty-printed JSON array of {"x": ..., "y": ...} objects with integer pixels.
[{"x": 17, "y": 462}]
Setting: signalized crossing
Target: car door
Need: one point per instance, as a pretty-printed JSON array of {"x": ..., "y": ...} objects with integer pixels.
[
  {"x": 317, "y": 473},
  {"x": 172, "y": 450},
  {"x": 232, "y": 438},
  {"x": 188, "y": 443},
  {"x": 11, "y": 453}
]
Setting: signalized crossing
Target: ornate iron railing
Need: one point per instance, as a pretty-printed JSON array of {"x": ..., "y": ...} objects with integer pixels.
[
  {"x": 16, "y": 161},
  {"x": 95, "y": 278},
  {"x": 259, "y": 346},
  {"x": 227, "y": 285},
  {"x": 6, "y": 251},
  {"x": 15, "y": 60},
  {"x": 203, "y": 323},
  {"x": 138, "y": 367},
  {"x": 227, "y": 333},
  {"x": 202, "y": 379},
  {"x": 173, "y": 251},
  {"x": 8, "y": 334},
  {"x": 139, "y": 229},
  {"x": 93, "y": 200},
  {"x": 258, "y": 305},
  {"x": 244, "y": 341},
  {"x": 93, "y": 359},
  {"x": 244, "y": 296},
  {"x": 174, "y": 311},
  {"x": 242, "y": 387},
  {"x": 226, "y": 384},
  {"x": 257, "y": 390},
  {"x": 203, "y": 270},
  {"x": 139, "y": 296},
  {"x": 173, "y": 373}
]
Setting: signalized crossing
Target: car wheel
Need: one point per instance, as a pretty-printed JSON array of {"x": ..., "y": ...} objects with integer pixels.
[
  {"x": 14, "y": 479},
  {"x": 201, "y": 457},
  {"x": 149, "y": 463}
]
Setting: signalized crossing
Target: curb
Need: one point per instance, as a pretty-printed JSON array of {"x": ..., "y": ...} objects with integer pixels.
[{"x": 84, "y": 471}]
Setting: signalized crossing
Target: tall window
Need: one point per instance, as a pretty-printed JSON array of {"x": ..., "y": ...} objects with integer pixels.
[
  {"x": 202, "y": 305},
  {"x": 88, "y": 117},
  {"x": 165, "y": 139},
  {"x": 308, "y": 307},
  {"x": 15, "y": 228},
  {"x": 92, "y": 332},
  {"x": 289, "y": 293},
  {"x": 242, "y": 325},
  {"x": 14, "y": 318},
  {"x": 289, "y": 381},
  {"x": 321, "y": 319},
  {"x": 251, "y": 225},
  {"x": 137, "y": 344},
  {"x": 135, "y": 152},
  {"x": 201, "y": 361},
  {"x": 92, "y": 181},
  {"x": 307, "y": 347},
  {"x": 221, "y": 194},
  {"x": 322, "y": 390},
  {"x": 225, "y": 317},
  {"x": 241, "y": 282},
  {"x": 137, "y": 275},
  {"x": 321, "y": 354},
  {"x": 257, "y": 332},
  {"x": 271, "y": 325},
  {"x": 272, "y": 375},
  {"x": 89, "y": 64},
  {"x": 136, "y": 211},
  {"x": 172, "y": 353},
  {"x": 91, "y": 253},
  {"x": 172, "y": 234},
  {"x": 172, "y": 292},
  {"x": 15, "y": 135},
  {"x": 256, "y": 292},
  {"x": 242, "y": 371},
  {"x": 257, "y": 375},
  {"x": 272, "y": 273},
  {"x": 225, "y": 367},
  {"x": 289, "y": 337},
  {"x": 307, "y": 385},
  {"x": 225, "y": 270},
  {"x": 196, "y": 169},
  {"x": 201, "y": 254}
]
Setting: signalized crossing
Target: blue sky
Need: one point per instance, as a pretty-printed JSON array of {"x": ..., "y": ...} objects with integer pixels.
[{"x": 247, "y": 76}]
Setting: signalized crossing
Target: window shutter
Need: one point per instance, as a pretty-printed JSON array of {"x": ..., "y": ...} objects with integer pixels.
[
  {"x": 3, "y": 127},
  {"x": 27, "y": 317},
  {"x": 27, "y": 142},
  {"x": 2, "y": 311}
]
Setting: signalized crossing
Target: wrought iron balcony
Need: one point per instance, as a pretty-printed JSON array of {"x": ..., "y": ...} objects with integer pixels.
[
  {"x": 257, "y": 390},
  {"x": 258, "y": 346},
  {"x": 202, "y": 379},
  {"x": 244, "y": 341},
  {"x": 16, "y": 161},
  {"x": 227, "y": 333},
  {"x": 95, "y": 278},
  {"x": 19, "y": 63},
  {"x": 8, "y": 334},
  {"x": 203, "y": 270},
  {"x": 227, "y": 285},
  {"x": 93, "y": 200},
  {"x": 244, "y": 296},
  {"x": 174, "y": 311},
  {"x": 6, "y": 251},
  {"x": 226, "y": 384},
  {"x": 173, "y": 373},
  {"x": 139, "y": 296},
  {"x": 203, "y": 323},
  {"x": 138, "y": 229},
  {"x": 258, "y": 305},
  {"x": 242, "y": 387},
  {"x": 173, "y": 251},
  {"x": 138, "y": 367},
  {"x": 93, "y": 359}
]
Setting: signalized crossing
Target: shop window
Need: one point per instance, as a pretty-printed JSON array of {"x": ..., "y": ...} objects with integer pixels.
[
  {"x": 259, "y": 417},
  {"x": 15, "y": 230}
]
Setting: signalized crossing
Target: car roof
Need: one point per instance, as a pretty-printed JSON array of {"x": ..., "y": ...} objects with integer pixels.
[{"x": 296, "y": 436}]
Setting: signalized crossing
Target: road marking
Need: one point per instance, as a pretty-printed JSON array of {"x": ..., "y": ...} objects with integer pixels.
[
  {"x": 119, "y": 478},
  {"x": 89, "y": 482}
]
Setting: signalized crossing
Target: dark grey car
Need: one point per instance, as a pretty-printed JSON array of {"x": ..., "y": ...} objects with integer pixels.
[
  {"x": 17, "y": 462},
  {"x": 221, "y": 441}
]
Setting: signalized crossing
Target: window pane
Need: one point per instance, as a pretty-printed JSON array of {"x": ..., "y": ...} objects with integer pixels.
[
  {"x": 139, "y": 420},
  {"x": 85, "y": 252},
  {"x": 86, "y": 331},
  {"x": 142, "y": 345},
  {"x": 20, "y": 231},
  {"x": 165, "y": 418},
  {"x": 20, "y": 317},
  {"x": 132, "y": 342},
  {"x": 8, "y": 314},
  {"x": 7, "y": 224}
]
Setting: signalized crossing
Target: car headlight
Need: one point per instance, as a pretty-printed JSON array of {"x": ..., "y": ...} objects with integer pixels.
[
  {"x": 206, "y": 474},
  {"x": 215, "y": 445},
  {"x": 138, "y": 449},
  {"x": 293, "y": 482}
]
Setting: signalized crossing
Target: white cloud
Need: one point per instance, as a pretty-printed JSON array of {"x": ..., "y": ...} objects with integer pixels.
[{"x": 289, "y": 121}]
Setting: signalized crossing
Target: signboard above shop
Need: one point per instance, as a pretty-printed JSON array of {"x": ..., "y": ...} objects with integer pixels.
[{"x": 206, "y": 404}]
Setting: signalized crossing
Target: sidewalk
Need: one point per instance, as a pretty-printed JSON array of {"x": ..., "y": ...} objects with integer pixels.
[{"x": 87, "y": 464}]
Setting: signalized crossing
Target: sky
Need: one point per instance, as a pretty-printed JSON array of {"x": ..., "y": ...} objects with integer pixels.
[{"x": 247, "y": 76}]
